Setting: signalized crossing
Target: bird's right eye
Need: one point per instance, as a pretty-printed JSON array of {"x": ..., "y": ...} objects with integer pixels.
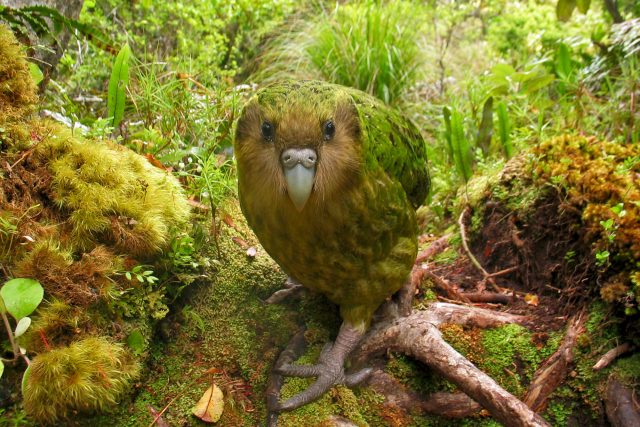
[{"x": 267, "y": 130}]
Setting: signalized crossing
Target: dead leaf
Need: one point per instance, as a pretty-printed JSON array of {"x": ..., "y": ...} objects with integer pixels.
[
  {"x": 157, "y": 417},
  {"x": 532, "y": 299},
  {"x": 210, "y": 406},
  {"x": 155, "y": 162},
  {"x": 240, "y": 242},
  {"x": 251, "y": 252},
  {"x": 227, "y": 219}
]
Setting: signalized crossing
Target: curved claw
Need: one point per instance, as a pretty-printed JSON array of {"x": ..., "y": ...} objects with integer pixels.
[{"x": 329, "y": 369}]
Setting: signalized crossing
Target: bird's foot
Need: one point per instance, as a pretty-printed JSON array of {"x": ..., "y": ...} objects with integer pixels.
[
  {"x": 329, "y": 370},
  {"x": 291, "y": 288}
]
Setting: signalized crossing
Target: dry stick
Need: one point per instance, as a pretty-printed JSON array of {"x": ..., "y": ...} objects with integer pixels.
[
  {"x": 611, "y": 355},
  {"x": 418, "y": 336},
  {"x": 554, "y": 370}
]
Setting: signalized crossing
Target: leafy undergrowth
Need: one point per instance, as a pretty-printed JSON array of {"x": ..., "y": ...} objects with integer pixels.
[{"x": 90, "y": 220}]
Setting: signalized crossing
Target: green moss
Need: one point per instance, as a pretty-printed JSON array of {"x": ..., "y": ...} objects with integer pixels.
[
  {"x": 17, "y": 90},
  {"x": 509, "y": 343},
  {"x": 89, "y": 375}
]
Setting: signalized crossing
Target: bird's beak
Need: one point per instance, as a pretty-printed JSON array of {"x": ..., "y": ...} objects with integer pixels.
[{"x": 299, "y": 166}]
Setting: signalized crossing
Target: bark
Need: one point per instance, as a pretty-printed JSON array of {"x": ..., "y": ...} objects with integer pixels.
[
  {"x": 621, "y": 404},
  {"x": 48, "y": 59},
  {"x": 449, "y": 405},
  {"x": 418, "y": 336},
  {"x": 555, "y": 369},
  {"x": 612, "y": 8},
  {"x": 611, "y": 355}
]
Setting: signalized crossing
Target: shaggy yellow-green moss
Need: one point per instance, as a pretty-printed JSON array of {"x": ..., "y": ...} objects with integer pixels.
[
  {"x": 112, "y": 194},
  {"x": 17, "y": 89},
  {"x": 87, "y": 376},
  {"x": 78, "y": 215}
]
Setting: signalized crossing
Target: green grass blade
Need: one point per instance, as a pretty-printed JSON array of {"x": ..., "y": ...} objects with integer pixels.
[
  {"x": 117, "y": 83},
  {"x": 564, "y": 9},
  {"x": 485, "y": 130},
  {"x": 504, "y": 129},
  {"x": 462, "y": 155}
]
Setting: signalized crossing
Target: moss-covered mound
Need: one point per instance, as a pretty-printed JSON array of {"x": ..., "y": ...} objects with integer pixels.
[
  {"x": 93, "y": 223},
  {"x": 567, "y": 214}
]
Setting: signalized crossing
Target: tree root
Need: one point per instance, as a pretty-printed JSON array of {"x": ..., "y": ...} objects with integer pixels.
[
  {"x": 418, "y": 336},
  {"x": 450, "y": 405},
  {"x": 554, "y": 370},
  {"x": 621, "y": 404},
  {"x": 290, "y": 354}
]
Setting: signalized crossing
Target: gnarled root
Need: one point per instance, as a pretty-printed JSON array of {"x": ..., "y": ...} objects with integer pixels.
[{"x": 418, "y": 336}]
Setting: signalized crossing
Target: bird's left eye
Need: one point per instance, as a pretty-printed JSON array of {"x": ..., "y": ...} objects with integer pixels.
[
  {"x": 267, "y": 130},
  {"x": 329, "y": 129}
]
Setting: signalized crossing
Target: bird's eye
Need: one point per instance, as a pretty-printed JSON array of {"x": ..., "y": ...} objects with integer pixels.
[
  {"x": 329, "y": 129},
  {"x": 267, "y": 130}
]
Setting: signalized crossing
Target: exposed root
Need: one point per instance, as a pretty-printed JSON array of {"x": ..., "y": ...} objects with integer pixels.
[
  {"x": 554, "y": 370},
  {"x": 450, "y": 405},
  {"x": 487, "y": 277},
  {"x": 404, "y": 297},
  {"x": 418, "y": 336},
  {"x": 621, "y": 404},
  {"x": 612, "y": 355},
  {"x": 290, "y": 354}
]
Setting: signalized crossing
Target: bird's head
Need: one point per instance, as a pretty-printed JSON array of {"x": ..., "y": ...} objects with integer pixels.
[{"x": 299, "y": 140}]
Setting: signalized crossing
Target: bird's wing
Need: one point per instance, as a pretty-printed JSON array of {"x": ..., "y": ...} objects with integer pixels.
[{"x": 396, "y": 144}]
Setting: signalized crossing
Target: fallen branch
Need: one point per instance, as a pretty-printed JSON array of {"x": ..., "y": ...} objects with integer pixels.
[
  {"x": 554, "y": 370},
  {"x": 418, "y": 336},
  {"x": 611, "y": 355},
  {"x": 488, "y": 297}
]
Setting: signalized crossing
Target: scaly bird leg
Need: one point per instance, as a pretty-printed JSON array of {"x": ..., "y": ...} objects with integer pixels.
[{"x": 329, "y": 370}]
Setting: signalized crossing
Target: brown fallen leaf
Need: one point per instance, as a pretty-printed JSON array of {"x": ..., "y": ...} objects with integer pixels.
[
  {"x": 240, "y": 242},
  {"x": 210, "y": 406},
  {"x": 158, "y": 421},
  {"x": 227, "y": 219}
]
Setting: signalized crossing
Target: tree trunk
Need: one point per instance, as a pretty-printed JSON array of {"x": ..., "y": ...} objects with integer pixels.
[{"x": 48, "y": 59}]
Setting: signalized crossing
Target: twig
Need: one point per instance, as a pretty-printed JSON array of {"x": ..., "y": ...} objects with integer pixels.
[
  {"x": 463, "y": 235},
  {"x": 611, "y": 355}
]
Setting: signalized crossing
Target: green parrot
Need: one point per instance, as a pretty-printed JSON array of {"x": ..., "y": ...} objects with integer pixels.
[{"x": 328, "y": 179}]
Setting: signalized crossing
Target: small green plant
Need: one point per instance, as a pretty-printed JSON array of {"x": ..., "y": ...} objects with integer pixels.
[
  {"x": 117, "y": 84},
  {"x": 18, "y": 297},
  {"x": 140, "y": 274},
  {"x": 458, "y": 143}
]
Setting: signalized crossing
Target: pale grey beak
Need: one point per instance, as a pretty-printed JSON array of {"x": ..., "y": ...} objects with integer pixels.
[{"x": 299, "y": 165}]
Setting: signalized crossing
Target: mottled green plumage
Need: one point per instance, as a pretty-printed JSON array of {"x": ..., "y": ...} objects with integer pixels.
[{"x": 355, "y": 239}]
